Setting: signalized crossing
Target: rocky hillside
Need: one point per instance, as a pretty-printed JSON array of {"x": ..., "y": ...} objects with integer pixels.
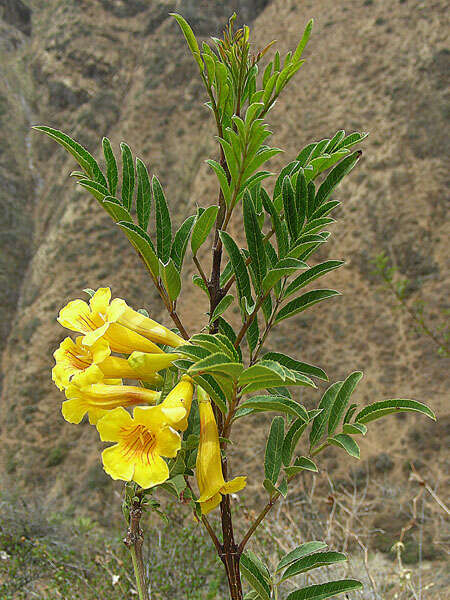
[{"x": 120, "y": 68}]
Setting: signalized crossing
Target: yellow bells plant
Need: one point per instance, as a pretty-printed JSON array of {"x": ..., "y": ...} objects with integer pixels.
[
  {"x": 74, "y": 358},
  {"x": 100, "y": 319},
  {"x": 141, "y": 443},
  {"x": 210, "y": 480},
  {"x": 264, "y": 283},
  {"x": 87, "y": 395}
]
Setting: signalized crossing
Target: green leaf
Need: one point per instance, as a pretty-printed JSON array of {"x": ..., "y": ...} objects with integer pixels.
[
  {"x": 143, "y": 244},
  {"x": 223, "y": 180},
  {"x": 163, "y": 222},
  {"x": 310, "y": 275},
  {"x": 311, "y": 201},
  {"x": 254, "y": 238},
  {"x": 127, "y": 176},
  {"x": 325, "y": 404},
  {"x": 322, "y": 591},
  {"x": 219, "y": 363},
  {"x": 280, "y": 231},
  {"x": 198, "y": 281},
  {"x": 290, "y": 441},
  {"x": 305, "y": 37},
  {"x": 301, "y": 464},
  {"x": 304, "y": 243},
  {"x": 351, "y": 140},
  {"x": 285, "y": 267},
  {"x": 239, "y": 267},
  {"x": 272, "y": 403},
  {"x": 202, "y": 227},
  {"x": 386, "y": 407},
  {"x": 303, "y": 302},
  {"x": 223, "y": 305},
  {"x": 354, "y": 428},
  {"x": 290, "y": 209},
  {"x": 296, "y": 365},
  {"x": 346, "y": 442},
  {"x": 111, "y": 166},
  {"x": 341, "y": 401},
  {"x": 114, "y": 208},
  {"x": 335, "y": 141},
  {"x": 144, "y": 198},
  {"x": 303, "y": 156},
  {"x": 86, "y": 161},
  {"x": 350, "y": 412},
  {"x": 190, "y": 38},
  {"x": 300, "y": 552},
  {"x": 301, "y": 198},
  {"x": 255, "y": 574},
  {"x": 306, "y": 464},
  {"x": 170, "y": 278},
  {"x": 180, "y": 241},
  {"x": 96, "y": 189},
  {"x": 272, "y": 458},
  {"x": 210, "y": 385},
  {"x": 313, "y": 561},
  {"x": 335, "y": 177},
  {"x": 175, "y": 485}
]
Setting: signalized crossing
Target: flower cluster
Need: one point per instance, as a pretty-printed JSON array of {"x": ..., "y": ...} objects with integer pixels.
[{"x": 91, "y": 373}]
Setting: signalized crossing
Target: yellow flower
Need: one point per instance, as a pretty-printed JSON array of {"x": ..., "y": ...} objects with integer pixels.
[
  {"x": 181, "y": 397},
  {"x": 142, "y": 441},
  {"x": 209, "y": 473},
  {"x": 86, "y": 395},
  {"x": 93, "y": 321},
  {"x": 73, "y": 358},
  {"x": 121, "y": 313},
  {"x": 125, "y": 329}
]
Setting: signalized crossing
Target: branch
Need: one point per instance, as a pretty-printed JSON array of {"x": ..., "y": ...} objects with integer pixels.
[
  {"x": 250, "y": 320},
  {"x": 207, "y": 524}
]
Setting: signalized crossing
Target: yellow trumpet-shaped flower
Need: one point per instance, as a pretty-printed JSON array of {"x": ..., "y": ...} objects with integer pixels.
[
  {"x": 121, "y": 313},
  {"x": 94, "y": 322},
  {"x": 86, "y": 395},
  {"x": 73, "y": 358},
  {"x": 180, "y": 397},
  {"x": 142, "y": 441},
  {"x": 209, "y": 473}
]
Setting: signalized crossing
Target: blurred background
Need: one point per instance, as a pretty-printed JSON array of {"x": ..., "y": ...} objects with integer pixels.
[{"x": 120, "y": 68}]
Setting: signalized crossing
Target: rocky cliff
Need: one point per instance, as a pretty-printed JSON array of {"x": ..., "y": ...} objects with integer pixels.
[{"x": 120, "y": 68}]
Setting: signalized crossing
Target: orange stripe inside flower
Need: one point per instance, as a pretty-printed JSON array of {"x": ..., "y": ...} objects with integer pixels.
[{"x": 138, "y": 442}]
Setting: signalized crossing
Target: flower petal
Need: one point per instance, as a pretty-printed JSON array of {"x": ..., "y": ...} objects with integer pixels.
[
  {"x": 73, "y": 410},
  {"x": 152, "y": 472},
  {"x": 100, "y": 301},
  {"x": 116, "y": 465},
  {"x": 94, "y": 335},
  {"x": 210, "y": 504},
  {"x": 110, "y": 425},
  {"x": 72, "y": 315},
  {"x": 235, "y": 485},
  {"x": 168, "y": 442}
]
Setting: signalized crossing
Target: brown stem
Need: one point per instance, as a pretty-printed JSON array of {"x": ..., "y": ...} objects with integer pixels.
[
  {"x": 258, "y": 520},
  {"x": 134, "y": 541},
  {"x": 231, "y": 554},
  {"x": 250, "y": 320},
  {"x": 200, "y": 269},
  {"x": 207, "y": 525}
]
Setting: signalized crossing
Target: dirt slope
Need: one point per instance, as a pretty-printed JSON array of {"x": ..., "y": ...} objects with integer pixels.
[{"x": 119, "y": 68}]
